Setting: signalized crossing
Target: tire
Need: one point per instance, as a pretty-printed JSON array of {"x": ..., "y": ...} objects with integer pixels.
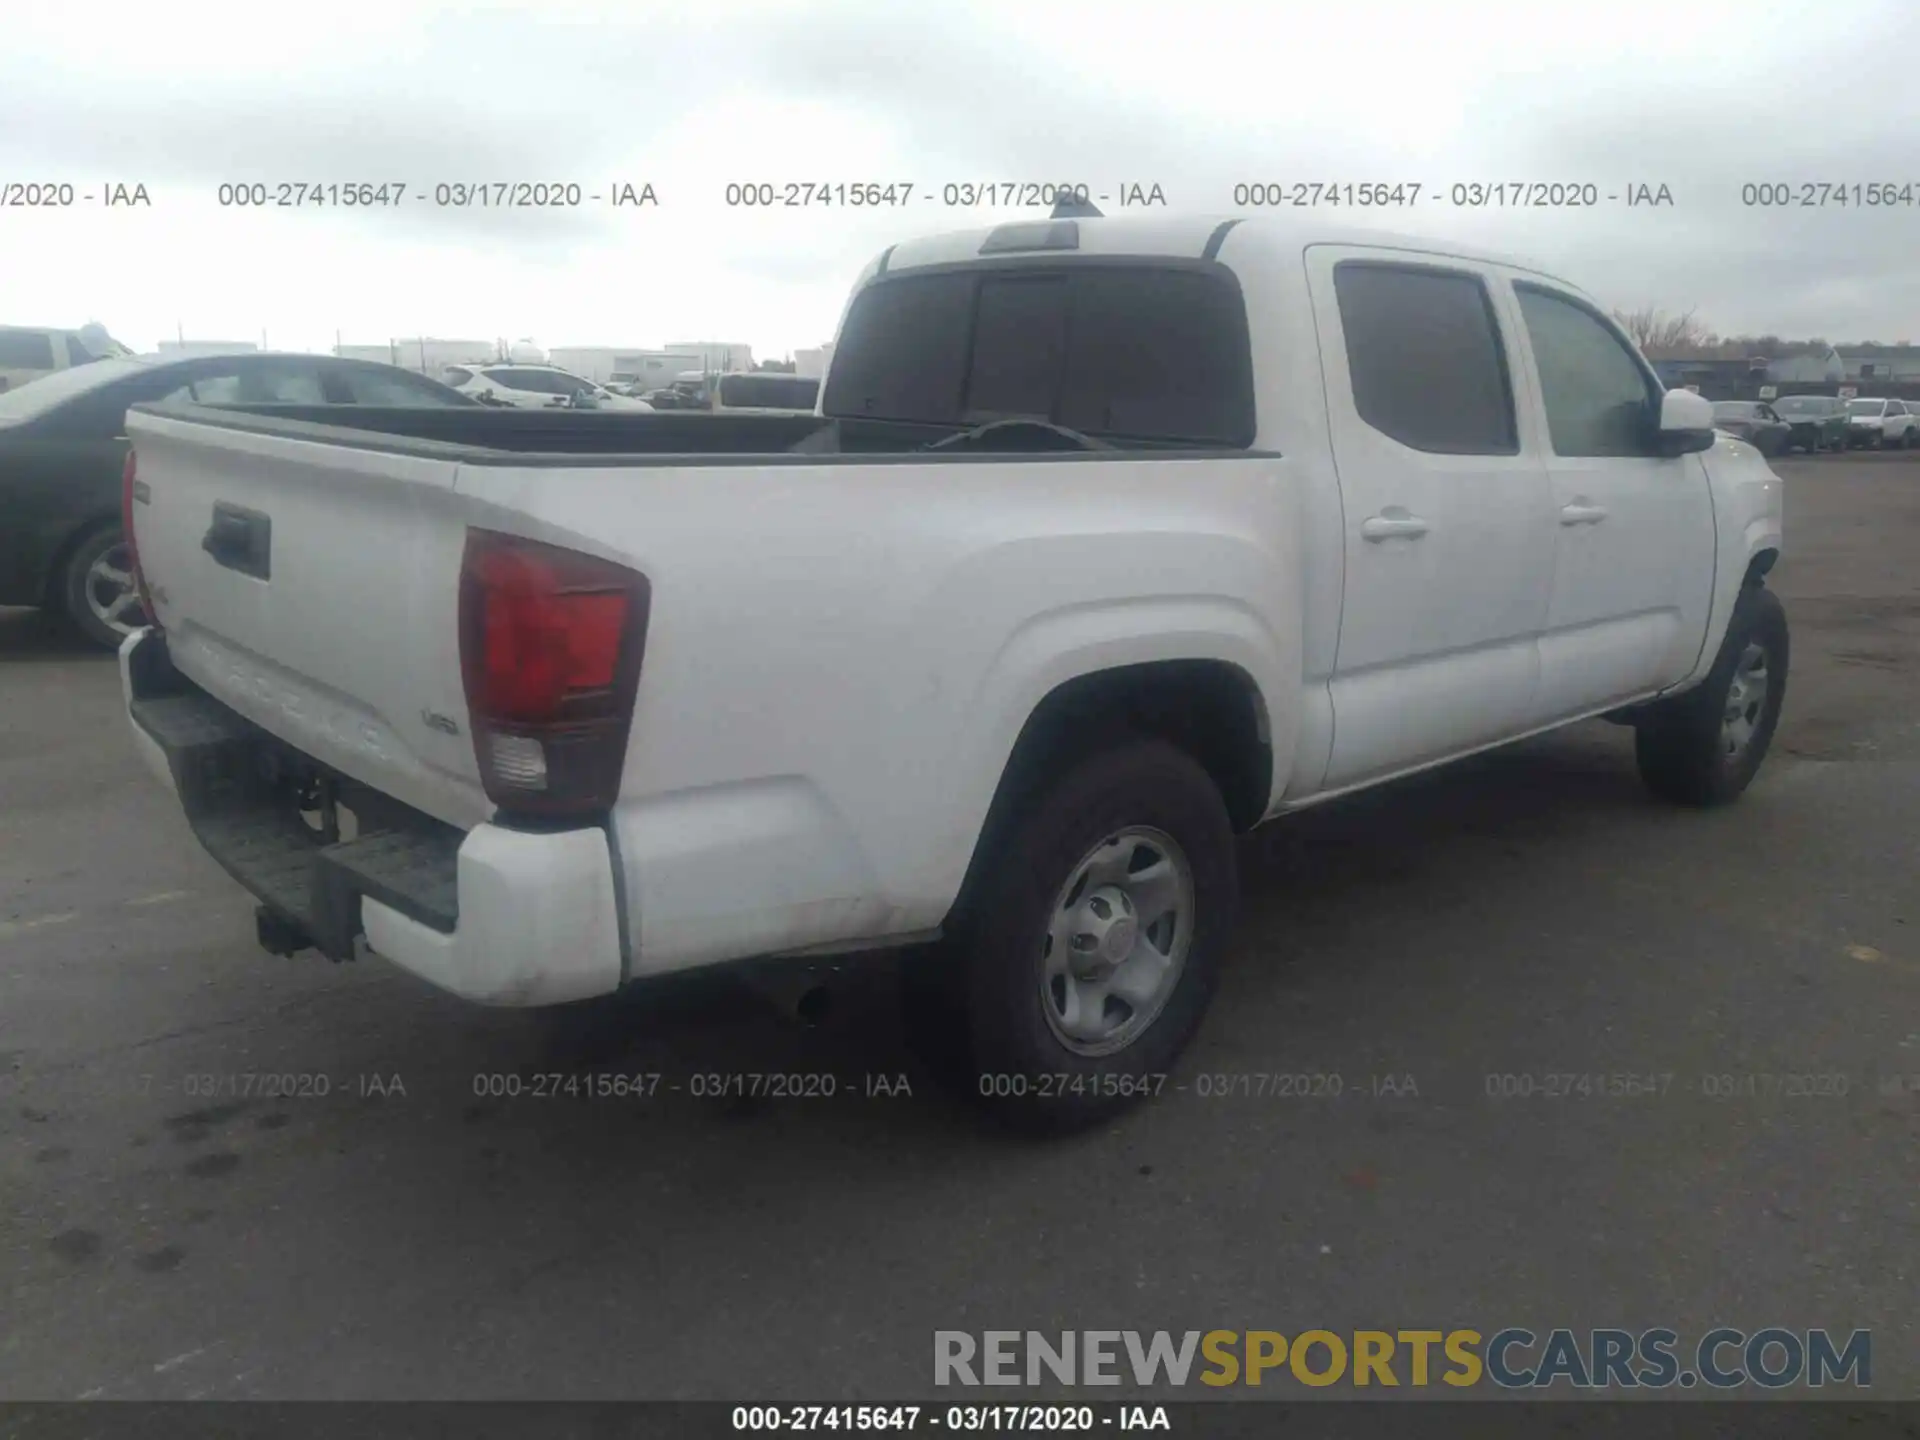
[
  {"x": 1690, "y": 748},
  {"x": 999, "y": 1008},
  {"x": 104, "y": 609}
]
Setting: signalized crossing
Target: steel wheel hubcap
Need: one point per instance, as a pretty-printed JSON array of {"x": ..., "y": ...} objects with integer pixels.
[
  {"x": 1746, "y": 699},
  {"x": 111, "y": 594},
  {"x": 1116, "y": 941}
]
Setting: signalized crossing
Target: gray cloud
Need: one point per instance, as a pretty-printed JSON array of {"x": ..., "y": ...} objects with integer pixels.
[{"x": 489, "y": 96}]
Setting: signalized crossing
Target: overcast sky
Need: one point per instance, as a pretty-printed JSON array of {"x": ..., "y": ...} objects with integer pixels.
[{"x": 1701, "y": 97}]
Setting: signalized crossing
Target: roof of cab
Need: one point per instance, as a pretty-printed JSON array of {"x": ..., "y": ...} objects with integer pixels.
[{"x": 1189, "y": 236}]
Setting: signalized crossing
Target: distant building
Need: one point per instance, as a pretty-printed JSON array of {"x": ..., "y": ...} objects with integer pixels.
[
  {"x": 719, "y": 356},
  {"x": 1882, "y": 362},
  {"x": 1807, "y": 365},
  {"x": 650, "y": 369},
  {"x": 1717, "y": 377},
  {"x": 428, "y": 356},
  {"x": 1720, "y": 376},
  {"x": 813, "y": 363},
  {"x": 188, "y": 349}
]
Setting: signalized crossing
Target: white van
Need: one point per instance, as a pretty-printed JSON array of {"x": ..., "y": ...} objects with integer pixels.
[
  {"x": 29, "y": 351},
  {"x": 765, "y": 392}
]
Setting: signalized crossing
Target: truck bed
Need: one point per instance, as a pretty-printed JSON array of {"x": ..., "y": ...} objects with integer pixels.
[
  {"x": 431, "y": 430},
  {"x": 479, "y": 434}
]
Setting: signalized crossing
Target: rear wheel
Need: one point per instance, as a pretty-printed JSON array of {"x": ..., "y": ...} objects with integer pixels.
[
  {"x": 1090, "y": 945},
  {"x": 1703, "y": 747},
  {"x": 98, "y": 592}
]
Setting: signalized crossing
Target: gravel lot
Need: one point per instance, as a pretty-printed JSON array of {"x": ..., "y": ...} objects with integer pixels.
[{"x": 1532, "y": 912}]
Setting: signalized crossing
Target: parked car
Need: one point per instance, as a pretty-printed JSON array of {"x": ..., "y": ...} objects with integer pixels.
[
  {"x": 765, "y": 392},
  {"x": 1065, "y": 585},
  {"x": 1755, "y": 422},
  {"x": 63, "y": 445},
  {"x": 536, "y": 387},
  {"x": 1815, "y": 422},
  {"x": 1881, "y": 424},
  {"x": 28, "y": 352}
]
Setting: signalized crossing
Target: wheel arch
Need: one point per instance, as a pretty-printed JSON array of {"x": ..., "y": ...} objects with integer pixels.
[{"x": 1211, "y": 708}]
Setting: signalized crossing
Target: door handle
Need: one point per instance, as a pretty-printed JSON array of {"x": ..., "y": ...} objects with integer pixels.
[
  {"x": 1580, "y": 512},
  {"x": 1392, "y": 522},
  {"x": 240, "y": 539}
]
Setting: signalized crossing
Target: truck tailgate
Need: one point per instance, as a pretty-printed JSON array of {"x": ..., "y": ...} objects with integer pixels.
[{"x": 314, "y": 588}]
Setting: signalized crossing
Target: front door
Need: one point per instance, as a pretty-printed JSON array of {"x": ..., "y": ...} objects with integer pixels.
[
  {"x": 1449, "y": 527},
  {"x": 1633, "y": 566}
]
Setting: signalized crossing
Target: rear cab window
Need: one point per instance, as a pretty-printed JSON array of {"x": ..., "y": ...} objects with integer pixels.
[
  {"x": 768, "y": 392},
  {"x": 1126, "y": 349}
]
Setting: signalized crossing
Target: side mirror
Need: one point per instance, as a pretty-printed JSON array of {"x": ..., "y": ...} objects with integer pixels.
[{"x": 1686, "y": 424}]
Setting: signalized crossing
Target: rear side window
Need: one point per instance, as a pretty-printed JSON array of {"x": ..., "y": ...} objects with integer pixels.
[
  {"x": 255, "y": 384},
  {"x": 1425, "y": 358},
  {"x": 1128, "y": 352},
  {"x": 26, "y": 349},
  {"x": 517, "y": 379},
  {"x": 387, "y": 387}
]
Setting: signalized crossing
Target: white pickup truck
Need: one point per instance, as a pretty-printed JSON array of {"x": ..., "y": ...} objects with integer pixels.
[{"x": 1111, "y": 538}]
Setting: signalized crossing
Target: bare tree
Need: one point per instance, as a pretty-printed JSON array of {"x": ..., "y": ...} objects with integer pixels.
[{"x": 1661, "y": 335}]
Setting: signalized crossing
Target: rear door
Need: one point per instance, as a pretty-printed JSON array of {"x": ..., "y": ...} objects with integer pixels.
[
  {"x": 1448, "y": 526},
  {"x": 313, "y": 586},
  {"x": 1633, "y": 533}
]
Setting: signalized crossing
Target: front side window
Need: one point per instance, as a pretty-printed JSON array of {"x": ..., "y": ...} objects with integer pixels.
[
  {"x": 1598, "y": 397},
  {"x": 1425, "y": 358}
]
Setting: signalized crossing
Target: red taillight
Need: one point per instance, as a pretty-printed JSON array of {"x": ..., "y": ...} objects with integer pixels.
[
  {"x": 129, "y": 484},
  {"x": 550, "y": 648}
]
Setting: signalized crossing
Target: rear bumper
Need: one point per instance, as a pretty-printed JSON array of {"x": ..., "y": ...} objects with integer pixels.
[{"x": 494, "y": 915}]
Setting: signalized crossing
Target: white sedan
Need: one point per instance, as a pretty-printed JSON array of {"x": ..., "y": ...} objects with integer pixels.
[{"x": 536, "y": 387}]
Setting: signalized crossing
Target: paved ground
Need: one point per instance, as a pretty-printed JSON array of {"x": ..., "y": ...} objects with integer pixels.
[{"x": 1531, "y": 913}]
